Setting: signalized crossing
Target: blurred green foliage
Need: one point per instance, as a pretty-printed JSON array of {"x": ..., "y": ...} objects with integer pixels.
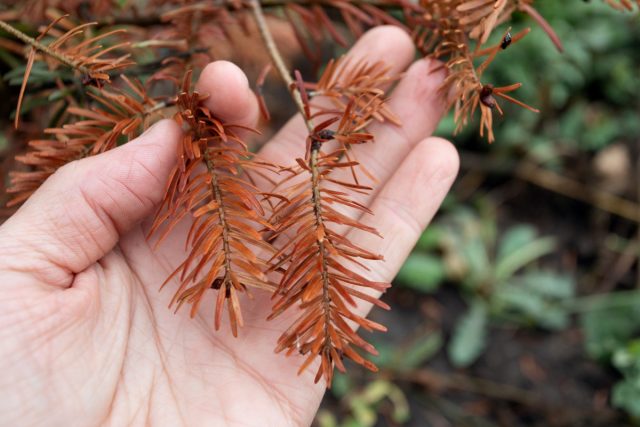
[
  {"x": 363, "y": 405},
  {"x": 588, "y": 95},
  {"x": 496, "y": 274},
  {"x": 611, "y": 324},
  {"x": 505, "y": 269},
  {"x": 626, "y": 393}
]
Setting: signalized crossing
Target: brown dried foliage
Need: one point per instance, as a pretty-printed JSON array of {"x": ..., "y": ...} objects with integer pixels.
[
  {"x": 112, "y": 115},
  {"x": 623, "y": 4},
  {"x": 190, "y": 26},
  {"x": 445, "y": 31},
  {"x": 451, "y": 30},
  {"x": 311, "y": 23},
  {"x": 70, "y": 47},
  {"x": 117, "y": 115},
  {"x": 317, "y": 260},
  {"x": 342, "y": 83},
  {"x": 38, "y": 11},
  {"x": 210, "y": 185}
]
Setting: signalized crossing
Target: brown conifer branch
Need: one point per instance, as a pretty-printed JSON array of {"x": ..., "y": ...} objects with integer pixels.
[
  {"x": 91, "y": 131},
  {"x": 546, "y": 27},
  {"x": 44, "y": 48},
  {"x": 156, "y": 19},
  {"x": 217, "y": 194},
  {"x": 223, "y": 237},
  {"x": 377, "y": 3},
  {"x": 317, "y": 263},
  {"x": 317, "y": 210},
  {"x": 316, "y": 199}
]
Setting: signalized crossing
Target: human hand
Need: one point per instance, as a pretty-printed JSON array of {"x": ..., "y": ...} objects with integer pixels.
[{"x": 87, "y": 338}]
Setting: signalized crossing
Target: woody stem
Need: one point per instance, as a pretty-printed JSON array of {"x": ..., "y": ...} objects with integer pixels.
[
  {"x": 276, "y": 58},
  {"x": 43, "y": 48},
  {"x": 217, "y": 193},
  {"x": 317, "y": 209}
]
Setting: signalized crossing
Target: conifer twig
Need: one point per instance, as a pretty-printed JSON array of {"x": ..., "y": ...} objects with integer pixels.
[
  {"x": 277, "y": 60},
  {"x": 43, "y": 48}
]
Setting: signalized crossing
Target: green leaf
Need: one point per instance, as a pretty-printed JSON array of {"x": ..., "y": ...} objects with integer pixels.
[
  {"x": 627, "y": 359},
  {"x": 39, "y": 74},
  {"x": 607, "y": 329},
  {"x": 475, "y": 254},
  {"x": 514, "y": 238},
  {"x": 530, "y": 307},
  {"x": 430, "y": 238},
  {"x": 4, "y": 142},
  {"x": 537, "y": 297},
  {"x": 470, "y": 336},
  {"x": 520, "y": 257},
  {"x": 57, "y": 95},
  {"x": 341, "y": 385},
  {"x": 9, "y": 59},
  {"x": 324, "y": 418},
  {"x": 350, "y": 422},
  {"x": 513, "y": 298},
  {"x": 386, "y": 352},
  {"x": 378, "y": 390},
  {"x": 549, "y": 284},
  {"x": 422, "y": 272},
  {"x": 401, "y": 413},
  {"x": 423, "y": 350},
  {"x": 31, "y": 102},
  {"x": 363, "y": 414},
  {"x": 626, "y": 396}
]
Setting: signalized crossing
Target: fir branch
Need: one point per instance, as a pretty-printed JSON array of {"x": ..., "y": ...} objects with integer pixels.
[
  {"x": 224, "y": 225},
  {"x": 60, "y": 57},
  {"x": 223, "y": 239},
  {"x": 322, "y": 252},
  {"x": 315, "y": 276},
  {"x": 93, "y": 130}
]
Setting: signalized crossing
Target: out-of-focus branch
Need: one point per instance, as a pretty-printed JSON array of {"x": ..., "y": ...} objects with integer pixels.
[
  {"x": 552, "y": 181},
  {"x": 277, "y": 60}
]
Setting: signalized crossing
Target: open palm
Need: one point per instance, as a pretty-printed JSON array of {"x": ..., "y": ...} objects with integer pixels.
[{"x": 86, "y": 338}]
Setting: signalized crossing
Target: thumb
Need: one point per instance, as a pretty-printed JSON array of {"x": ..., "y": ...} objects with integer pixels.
[{"x": 80, "y": 212}]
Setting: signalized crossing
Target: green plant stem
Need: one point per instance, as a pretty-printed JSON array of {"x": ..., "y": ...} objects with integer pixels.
[{"x": 43, "y": 48}]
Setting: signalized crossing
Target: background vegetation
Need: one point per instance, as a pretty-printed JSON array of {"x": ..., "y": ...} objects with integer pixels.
[{"x": 520, "y": 305}]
